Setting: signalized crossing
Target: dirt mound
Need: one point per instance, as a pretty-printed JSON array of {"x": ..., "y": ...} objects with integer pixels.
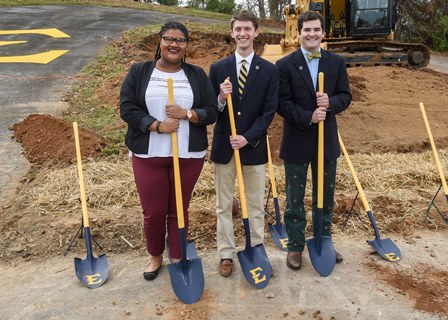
[{"x": 50, "y": 141}]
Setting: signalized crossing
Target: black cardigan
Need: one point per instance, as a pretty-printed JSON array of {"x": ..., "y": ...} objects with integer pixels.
[{"x": 134, "y": 112}]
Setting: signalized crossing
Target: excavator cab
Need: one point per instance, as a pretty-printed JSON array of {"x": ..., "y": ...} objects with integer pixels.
[{"x": 372, "y": 18}]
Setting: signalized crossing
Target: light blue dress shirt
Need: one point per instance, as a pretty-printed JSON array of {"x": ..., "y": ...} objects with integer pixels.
[{"x": 313, "y": 66}]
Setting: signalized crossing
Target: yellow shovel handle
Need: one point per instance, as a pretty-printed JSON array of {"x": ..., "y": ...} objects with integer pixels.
[
  {"x": 177, "y": 183},
  {"x": 320, "y": 153},
  {"x": 434, "y": 150},
  {"x": 239, "y": 171},
  {"x": 355, "y": 177},
  {"x": 271, "y": 170},
  {"x": 85, "y": 216}
]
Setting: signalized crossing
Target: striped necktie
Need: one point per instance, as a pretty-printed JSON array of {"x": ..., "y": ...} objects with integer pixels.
[{"x": 242, "y": 77}]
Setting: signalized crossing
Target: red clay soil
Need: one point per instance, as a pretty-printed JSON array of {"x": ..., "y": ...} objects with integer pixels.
[{"x": 44, "y": 140}]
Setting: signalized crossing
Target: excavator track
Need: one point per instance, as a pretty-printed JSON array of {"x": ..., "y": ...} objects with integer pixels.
[{"x": 358, "y": 53}]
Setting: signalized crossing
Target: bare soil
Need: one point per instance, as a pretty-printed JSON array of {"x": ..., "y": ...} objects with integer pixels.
[{"x": 384, "y": 117}]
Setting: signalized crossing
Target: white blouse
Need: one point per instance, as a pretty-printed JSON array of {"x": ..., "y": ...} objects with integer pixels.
[{"x": 156, "y": 98}]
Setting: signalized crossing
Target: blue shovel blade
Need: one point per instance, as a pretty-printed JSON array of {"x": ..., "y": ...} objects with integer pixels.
[
  {"x": 255, "y": 265},
  {"x": 323, "y": 259},
  {"x": 187, "y": 279},
  {"x": 279, "y": 235},
  {"x": 386, "y": 248},
  {"x": 92, "y": 272}
]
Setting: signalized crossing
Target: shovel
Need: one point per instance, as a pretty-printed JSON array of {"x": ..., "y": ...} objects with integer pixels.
[
  {"x": 92, "y": 272},
  {"x": 253, "y": 260},
  {"x": 385, "y": 247},
  {"x": 187, "y": 276},
  {"x": 320, "y": 248},
  {"x": 278, "y": 230},
  {"x": 436, "y": 156}
]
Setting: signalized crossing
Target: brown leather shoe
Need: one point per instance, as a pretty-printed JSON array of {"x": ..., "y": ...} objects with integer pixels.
[
  {"x": 225, "y": 267},
  {"x": 294, "y": 260},
  {"x": 339, "y": 257}
]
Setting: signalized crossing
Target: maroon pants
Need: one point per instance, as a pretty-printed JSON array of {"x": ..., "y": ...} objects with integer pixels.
[{"x": 154, "y": 178}]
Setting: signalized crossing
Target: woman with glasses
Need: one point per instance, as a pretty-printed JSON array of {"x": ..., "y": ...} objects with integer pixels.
[{"x": 151, "y": 120}]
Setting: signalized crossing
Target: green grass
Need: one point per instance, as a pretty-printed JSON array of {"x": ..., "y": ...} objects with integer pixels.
[{"x": 120, "y": 4}]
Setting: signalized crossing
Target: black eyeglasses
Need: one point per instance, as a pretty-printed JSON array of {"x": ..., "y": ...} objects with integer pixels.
[{"x": 179, "y": 41}]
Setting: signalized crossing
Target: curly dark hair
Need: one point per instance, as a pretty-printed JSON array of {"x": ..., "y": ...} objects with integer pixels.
[{"x": 171, "y": 25}]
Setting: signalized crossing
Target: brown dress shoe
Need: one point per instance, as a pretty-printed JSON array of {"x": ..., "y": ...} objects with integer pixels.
[
  {"x": 294, "y": 260},
  {"x": 225, "y": 267},
  {"x": 339, "y": 257}
]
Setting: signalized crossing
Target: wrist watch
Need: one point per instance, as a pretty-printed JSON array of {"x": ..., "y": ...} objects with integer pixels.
[{"x": 189, "y": 114}]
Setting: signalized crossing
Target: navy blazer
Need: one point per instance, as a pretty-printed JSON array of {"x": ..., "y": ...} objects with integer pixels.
[
  {"x": 253, "y": 112},
  {"x": 297, "y": 102}
]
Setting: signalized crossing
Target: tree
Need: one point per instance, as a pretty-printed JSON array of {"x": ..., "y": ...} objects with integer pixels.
[
  {"x": 261, "y": 9},
  {"x": 198, "y": 4},
  {"x": 169, "y": 2},
  {"x": 276, "y": 9},
  {"x": 221, "y": 6},
  {"x": 423, "y": 21}
]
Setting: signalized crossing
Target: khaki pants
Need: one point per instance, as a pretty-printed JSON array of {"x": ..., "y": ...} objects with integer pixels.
[{"x": 254, "y": 182}]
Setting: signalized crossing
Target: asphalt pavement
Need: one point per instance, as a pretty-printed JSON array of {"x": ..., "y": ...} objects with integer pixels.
[{"x": 63, "y": 40}]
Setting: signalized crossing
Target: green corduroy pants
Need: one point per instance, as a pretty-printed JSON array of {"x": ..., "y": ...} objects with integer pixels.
[{"x": 295, "y": 214}]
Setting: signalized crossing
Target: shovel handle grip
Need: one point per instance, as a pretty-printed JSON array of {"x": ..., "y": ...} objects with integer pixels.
[
  {"x": 434, "y": 150},
  {"x": 85, "y": 216},
  {"x": 239, "y": 171},
  {"x": 320, "y": 153},
  {"x": 177, "y": 182},
  {"x": 271, "y": 170},
  {"x": 355, "y": 177}
]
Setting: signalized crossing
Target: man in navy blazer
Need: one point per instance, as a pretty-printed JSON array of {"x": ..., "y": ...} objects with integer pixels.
[
  {"x": 303, "y": 107},
  {"x": 254, "y": 110}
]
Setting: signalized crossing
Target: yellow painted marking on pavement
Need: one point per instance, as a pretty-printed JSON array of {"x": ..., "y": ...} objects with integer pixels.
[
  {"x": 5, "y": 43},
  {"x": 42, "y": 58},
  {"x": 54, "y": 33}
]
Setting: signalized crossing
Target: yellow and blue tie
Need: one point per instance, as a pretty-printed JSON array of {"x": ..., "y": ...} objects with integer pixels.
[{"x": 242, "y": 77}]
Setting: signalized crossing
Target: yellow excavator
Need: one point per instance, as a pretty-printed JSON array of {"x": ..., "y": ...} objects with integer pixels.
[{"x": 362, "y": 31}]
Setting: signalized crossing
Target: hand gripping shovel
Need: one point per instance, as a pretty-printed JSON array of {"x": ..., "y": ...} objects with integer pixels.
[
  {"x": 436, "y": 157},
  {"x": 92, "y": 272},
  {"x": 320, "y": 248},
  {"x": 187, "y": 276},
  {"x": 385, "y": 247},
  {"x": 253, "y": 260},
  {"x": 278, "y": 230}
]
